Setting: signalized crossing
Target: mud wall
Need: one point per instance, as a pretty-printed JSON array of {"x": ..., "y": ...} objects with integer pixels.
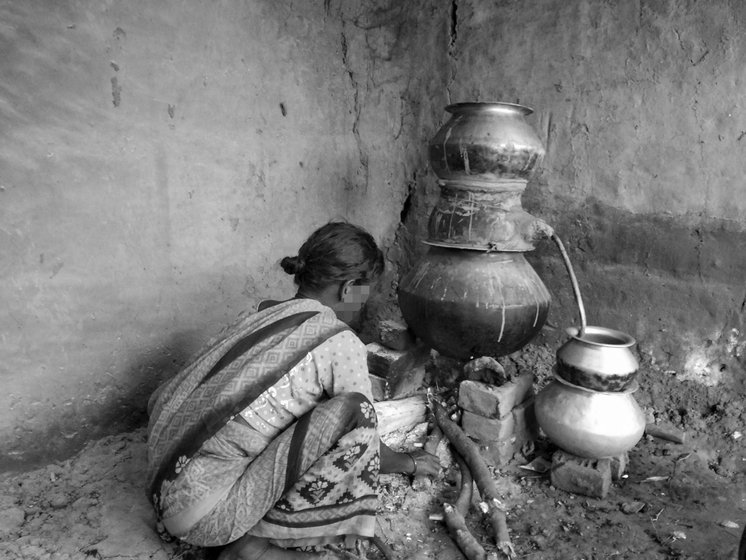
[
  {"x": 157, "y": 160},
  {"x": 641, "y": 109}
]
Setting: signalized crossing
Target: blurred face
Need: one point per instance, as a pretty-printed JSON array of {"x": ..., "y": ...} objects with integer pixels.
[{"x": 351, "y": 302}]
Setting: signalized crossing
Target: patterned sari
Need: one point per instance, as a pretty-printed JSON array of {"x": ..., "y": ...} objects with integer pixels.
[{"x": 214, "y": 478}]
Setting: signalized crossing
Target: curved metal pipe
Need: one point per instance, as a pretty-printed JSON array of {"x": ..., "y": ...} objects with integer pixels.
[{"x": 574, "y": 281}]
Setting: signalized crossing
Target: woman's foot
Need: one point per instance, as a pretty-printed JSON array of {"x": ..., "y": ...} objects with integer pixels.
[{"x": 257, "y": 548}]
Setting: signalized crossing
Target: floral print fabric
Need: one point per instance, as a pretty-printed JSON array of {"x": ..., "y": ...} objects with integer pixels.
[
  {"x": 337, "y": 366},
  {"x": 298, "y": 464}
]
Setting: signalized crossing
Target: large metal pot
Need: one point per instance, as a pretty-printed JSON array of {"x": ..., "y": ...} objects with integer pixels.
[
  {"x": 589, "y": 423},
  {"x": 467, "y": 304},
  {"x": 486, "y": 142},
  {"x": 472, "y": 215},
  {"x": 599, "y": 358}
]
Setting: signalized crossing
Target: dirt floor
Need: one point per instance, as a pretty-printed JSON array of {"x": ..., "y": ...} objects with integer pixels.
[{"x": 684, "y": 501}]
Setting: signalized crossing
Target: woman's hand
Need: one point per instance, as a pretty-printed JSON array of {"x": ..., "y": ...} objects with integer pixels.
[
  {"x": 415, "y": 462},
  {"x": 424, "y": 463}
]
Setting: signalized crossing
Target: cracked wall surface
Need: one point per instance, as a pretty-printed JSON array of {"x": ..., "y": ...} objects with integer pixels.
[
  {"x": 157, "y": 161},
  {"x": 641, "y": 109}
]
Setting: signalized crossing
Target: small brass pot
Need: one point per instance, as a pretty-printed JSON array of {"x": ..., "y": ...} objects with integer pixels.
[{"x": 599, "y": 359}]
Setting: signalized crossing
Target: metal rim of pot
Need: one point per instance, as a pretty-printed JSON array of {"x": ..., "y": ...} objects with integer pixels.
[
  {"x": 495, "y": 106},
  {"x": 601, "y": 336}
]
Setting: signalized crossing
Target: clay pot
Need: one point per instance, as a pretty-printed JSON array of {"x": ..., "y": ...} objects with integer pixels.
[
  {"x": 482, "y": 216},
  {"x": 601, "y": 359},
  {"x": 486, "y": 142},
  {"x": 467, "y": 304},
  {"x": 589, "y": 423}
]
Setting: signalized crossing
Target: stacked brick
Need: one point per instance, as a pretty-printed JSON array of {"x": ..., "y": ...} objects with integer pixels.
[
  {"x": 396, "y": 364},
  {"x": 500, "y": 418}
]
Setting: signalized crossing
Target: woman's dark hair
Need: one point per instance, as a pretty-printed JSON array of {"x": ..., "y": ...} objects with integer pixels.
[{"x": 334, "y": 253}]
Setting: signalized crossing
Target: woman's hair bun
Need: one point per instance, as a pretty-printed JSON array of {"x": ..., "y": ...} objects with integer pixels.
[{"x": 292, "y": 265}]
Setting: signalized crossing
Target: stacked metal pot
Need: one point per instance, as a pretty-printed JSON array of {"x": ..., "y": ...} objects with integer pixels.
[
  {"x": 473, "y": 293},
  {"x": 589, "y": 409}
]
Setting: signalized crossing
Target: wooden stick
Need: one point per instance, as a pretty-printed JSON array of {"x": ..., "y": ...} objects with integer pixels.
[
  {"x": 461, "y": 535},
  {"x": 670, "y": 434},
  {"x": 400, "y": 413},
  {"x": 482, "y": 476},
  {"x": 386, "y": 550},
  {"x": 466, "y": 491},
  {"x": 341, "y": 552},
  {"x": 468, "y": 450},
  {"x": 496, "y": 514}
]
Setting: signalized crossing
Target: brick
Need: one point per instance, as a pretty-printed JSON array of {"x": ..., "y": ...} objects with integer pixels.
[
  {"x": 380, "y": 388},
  {"x": 526, "y": 428},
  {"x": 579, "y": 475},
  {"x": 487, "y": 429},
  {"x": 382, "y": 361},
  {"x": 619, "y": 465},
  {"x": 385, "y": 362},
  {"x": 395, "y": 335},
  {"x": 486, "y": 369},
  {"x": 496, "y": 453},
  {"x": 492, "y": 401},
  {"x": 404, "y": 371}
]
